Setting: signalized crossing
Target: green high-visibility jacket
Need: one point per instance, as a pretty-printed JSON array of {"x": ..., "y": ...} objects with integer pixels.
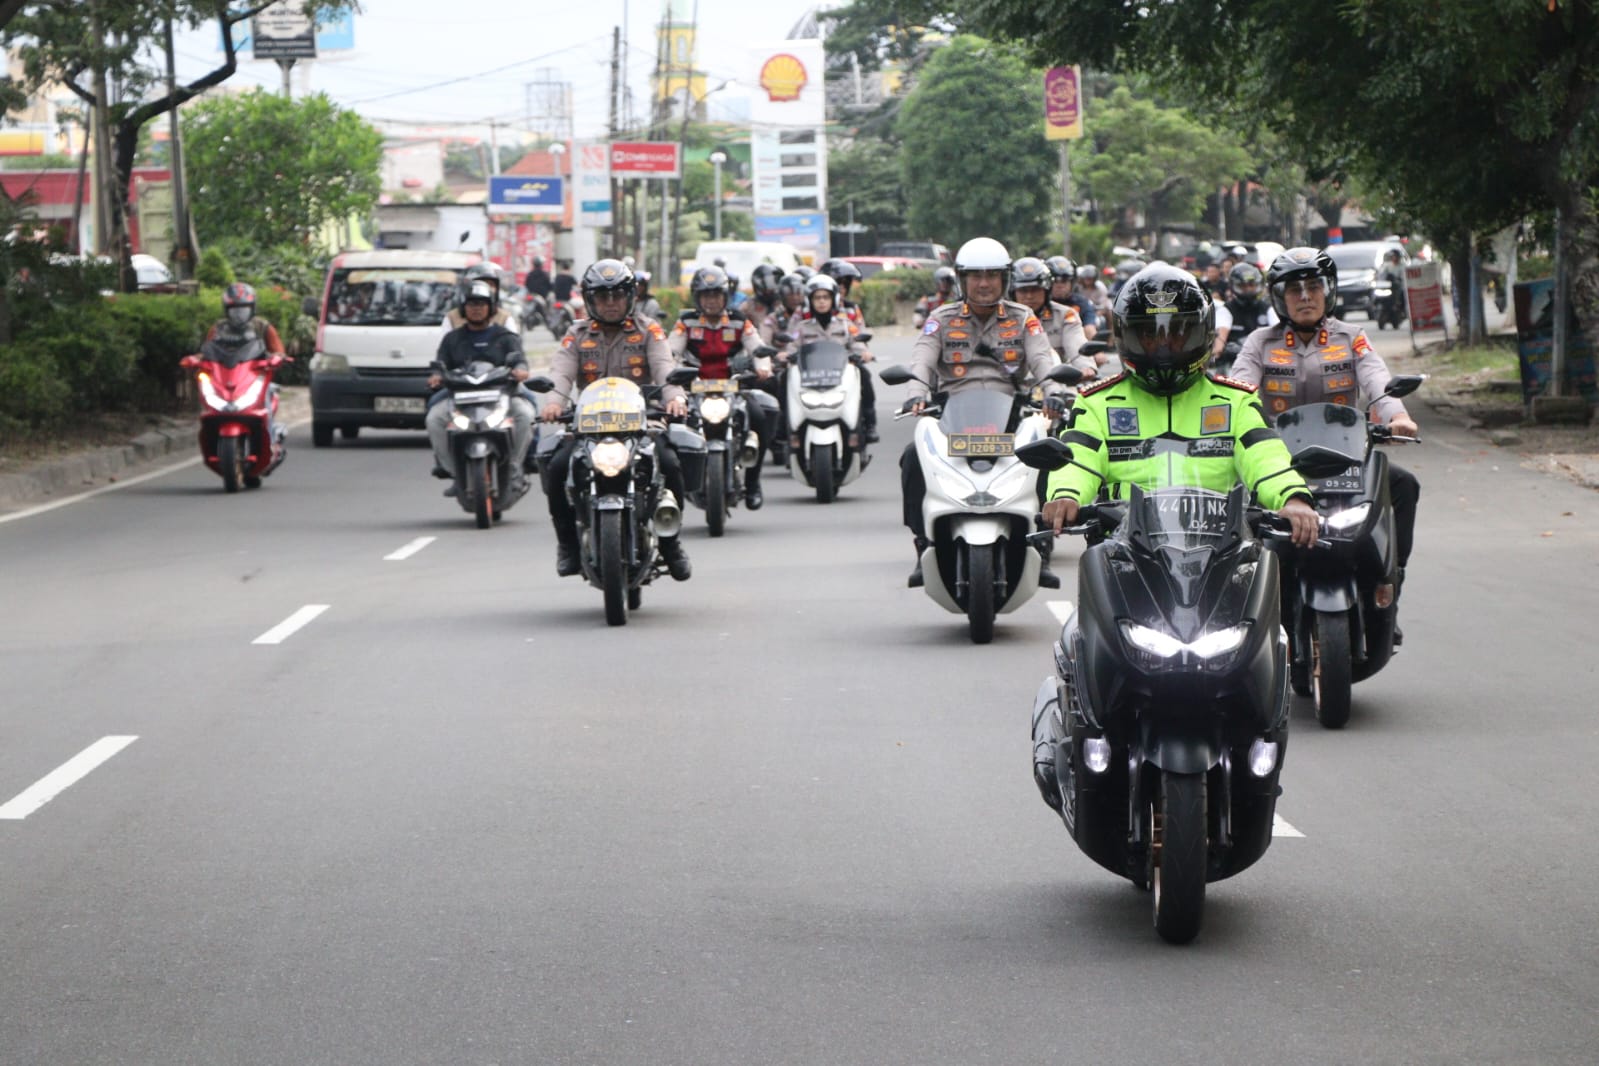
[{"x": 1212, "y": 436}]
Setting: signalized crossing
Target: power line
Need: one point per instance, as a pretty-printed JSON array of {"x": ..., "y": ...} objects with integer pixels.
[{"x": 479, "y": 74}]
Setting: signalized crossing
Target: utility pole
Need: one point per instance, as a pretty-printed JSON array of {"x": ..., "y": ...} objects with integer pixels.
[
  {"x": 494, "y": 147},
  {"x": 618, "y": 218},
  {"x": 1066, "y": 198},
  {"x": 286, "y": 65},
  {"x": 182, "y": 235},
  {"x": 102, "y": 142}
]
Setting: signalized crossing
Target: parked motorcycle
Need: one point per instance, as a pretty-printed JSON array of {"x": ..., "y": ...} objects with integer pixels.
[
  {"x": 719, "y": 411},
  {"x": 241, "y": 438},
  {"x": 1160, "y": 739},
  {"x": 617, "y": 489},
  {"x": 981, "y": 500},
  {"x": 487, "y": 482},
  {"x": 826, "y": 448},
  {"x": 1339, "y": 597}
]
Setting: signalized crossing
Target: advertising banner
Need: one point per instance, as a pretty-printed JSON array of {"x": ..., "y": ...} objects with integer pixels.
[
  {"x": 534, "y": 195},
  {"x": 646, "y": 159},
  {"x": 1535, "y": 340},
  {"x": 1424, "y": 296},
  {"x": 807, "y": 232},
  {"x": 1063, "y": 105},
  {"x": 283, "y": 31},
  {"x": 790, "y": 90},
  {"x": 591, "y": 181}
]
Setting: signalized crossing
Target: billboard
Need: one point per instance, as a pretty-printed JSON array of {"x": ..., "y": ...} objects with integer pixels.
[
  {"x": 527, "y": 195},
  {"x": 646, "y": 159},
  {"x": 334, "y": 33},
  {"x": 283, "y": 31},
  {"x": 789, "y": 84},
  {"x": 807, "y": 231},
  {"x": 1063, "y": 104},
  {"x": 591, "y": 183}
]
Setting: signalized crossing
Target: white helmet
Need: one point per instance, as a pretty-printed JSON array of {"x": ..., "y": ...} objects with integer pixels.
[{"x": 982, "y": 253}]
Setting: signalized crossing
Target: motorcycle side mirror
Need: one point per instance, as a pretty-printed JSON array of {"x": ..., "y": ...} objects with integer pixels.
[
  {"x": 1049, "y": 453},
  {"x": 783, "y": 338},
  {"x": 540, "y": 383},
  {"x": 312, "y": 306},
  {"x": 864, "y": 336},
  {"x": 1065, "y": 374},
  {"x": 1093, "y": 348},
  {"x": 1404, "y": 385},
  {"x": 896, "y": 375},
  {"x": 189, "y": 362},
  {"x": 683, "y": 375}
]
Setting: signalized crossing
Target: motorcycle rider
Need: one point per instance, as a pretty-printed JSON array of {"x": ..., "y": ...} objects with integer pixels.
[
  {"x": 1063, "y": 290},
  {"x": 826, "y": 316},
  {"x": 944, "y": 286},
  {"x": 791, "y": 293},
  {"x": 1392, "y": 271},
  {"x": 846, "y": 274},
  {"x": 762, "y": 308},
  {"x": 981, "y": 342},
  {"x": 610, "y": 342},
  {"x": 646, "y": 305},
  {"x": 479, "y": 339},
  {"x": 238, "y": 323},
  {"x": 1246, "y": 310},
  {"x": 1310, "y": 357},
  {"x": 456, "y": 317},
  {"x": 1165, "y": 421},
  {"x": 713, "y": 335},
  {"x": 1030, "y": 281}
]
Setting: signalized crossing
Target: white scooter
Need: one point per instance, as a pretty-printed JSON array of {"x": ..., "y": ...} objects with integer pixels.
[
  {"x": 981, "y": 500},
  {"x": 827, "y": 448}
]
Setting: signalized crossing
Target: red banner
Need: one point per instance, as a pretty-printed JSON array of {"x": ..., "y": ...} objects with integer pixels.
[
  {"x": 644, "y": 159},
  {"x": 1425, "y": 296}
]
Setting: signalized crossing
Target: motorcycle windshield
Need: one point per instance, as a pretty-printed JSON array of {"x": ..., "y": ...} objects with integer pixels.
[
  {"x": 1184, "y": 519},
  {"x": 477, "y": 373},
  {"x": 231, "y": 351},
  {"x": 976, "y": 411},
  {"x": 821, "y": 365},
  {"x": 610, "y": 405},
  {"x": 1324, "y": 439}
]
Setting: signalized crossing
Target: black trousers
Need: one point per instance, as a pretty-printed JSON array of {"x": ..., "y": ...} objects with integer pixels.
[
  {"x": 554, "y": 471},
  {"x": 1404, "y": 490},
  {"x": 913, "y": 488},
  {"x": 764, "y": 415}
]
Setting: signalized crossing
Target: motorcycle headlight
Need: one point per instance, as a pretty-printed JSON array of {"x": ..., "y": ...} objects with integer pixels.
[
  {"x": 1354, "y": 518},
  {"x": 610, "y": 457},
  {"x": 830, "y": 398},
  {"x": 502, "y": 410},
  {"x": 208, "y": 392},
  {"x": 250, "y": 395},
  {"x": 1157, "y": 650},
  {"x": 715, "y": 409},
  {"x": 460, "y": 421}
]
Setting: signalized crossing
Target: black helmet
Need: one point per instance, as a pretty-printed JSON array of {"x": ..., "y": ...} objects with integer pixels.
[
  {"x": 732, "y": 283},
  {"x": 480, "y": 272},
  {"x": 1245, "y": 275},
  {"x": 1163, "y": 323},
  {"x": 1296, "y": 264},
  {"x": 707, "y": 279},
  {"x": 842, "y": 271},
  {"x": 804, "y": 272},
  {"x": 1029, "y": 272},
  {"x": 793, "y": 284},
  {"x": 605, "y": 276},
  {"x": 764, "y": 279},
  {"x": 944, "y": 278}
]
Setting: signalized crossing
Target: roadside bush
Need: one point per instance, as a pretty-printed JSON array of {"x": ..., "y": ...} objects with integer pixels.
[
  {"x": 672, "y": 301},
  {"x": 214, "y": 271},
  {"x": 877, "y": 301},
  {"x": 287, "y": 266},
  {"x": 34, "y": 394},
  {"x": 911, "y": 284}
]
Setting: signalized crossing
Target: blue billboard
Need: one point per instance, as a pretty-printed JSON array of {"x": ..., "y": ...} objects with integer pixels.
[
  {"x": 335, "y": 33},
  {"x": 806, "y": 231},
  {"x": 530, "y": 194}
]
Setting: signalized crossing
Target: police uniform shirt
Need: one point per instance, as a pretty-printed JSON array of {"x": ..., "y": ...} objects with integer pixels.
[
  {"x": 806, "y": 328},
  {"x": 635, "y": 350},
  {"x": 1337, "y": 365},
  {"x": 1064, "y": 328},
  {"x": 946, "y": 352}
]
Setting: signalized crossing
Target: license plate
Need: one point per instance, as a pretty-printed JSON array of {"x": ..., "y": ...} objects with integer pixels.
[
  {"x": 715, "y": 385},
  {"x": 477, "y": 396},
  {"x": 1341, "y": 483},
  {"x": 405, "y": 405},
  {"x": 611, "y": 422},
  {"x": 980, "y": 445}
]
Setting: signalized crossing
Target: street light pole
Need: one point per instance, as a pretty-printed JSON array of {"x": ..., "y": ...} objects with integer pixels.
[{"x": 718, "y": 157}]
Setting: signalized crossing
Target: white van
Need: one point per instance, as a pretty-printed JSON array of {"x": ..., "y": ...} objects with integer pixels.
[
  {"x": 377, "y": 331},
  {"x": 742, "y": 257}
]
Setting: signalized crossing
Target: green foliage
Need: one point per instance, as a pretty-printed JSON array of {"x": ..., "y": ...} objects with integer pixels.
[
  {"x": 877, "y": 301},
  {"x": 293, "y": 267},
  {"x": 888, "y": 31},
  {"x": 34, "y": 395},
  {"x": 975, "y": 162},
  {"x": 868, "y": 175},
  {"x": 67, "y": 360},
  {"x": 274, "y": 171},
  {"x": 672, "y": 301},
  {"x": 39, "y": 162},
  {"x": 911, "y": 284},
  {"x": 214, "y": 269}
]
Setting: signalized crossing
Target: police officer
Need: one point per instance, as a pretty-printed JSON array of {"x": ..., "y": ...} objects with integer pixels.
[
  {"x": 479, "y": 339},
  {"x": 645, "y": 305},
  {"x": 981, "y": 342},
  {"x": 761, "y": 309},
  {"x": 1246, "y": 309},
  {"x": 1063, "y": 290},
  {"x": 1030, "y": 283},
  {"x": 822, "y": 320},
  {"x": 944, "y": 291},
  {"x": 713, "y": 335},
  {"x": 846, "y": 274},
  {"x": 791, "y": 302},
  {"x": 1165, "y": 422},
  {"x": 1311, "y": 357},
  {"x": 610, "y": 342}
]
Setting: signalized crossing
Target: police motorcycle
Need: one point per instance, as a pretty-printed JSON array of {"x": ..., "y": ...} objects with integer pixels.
[
  {"x": 826, "y": 446},
  {"x": 1160, "y": 738},
  {"x": 486, "y": 481},
  {"x": 981, "y": 500},
  {"x": 721, "y": 414},
  {"x": 1339, "y": 597},
  {"x": 618, "y": 490}
]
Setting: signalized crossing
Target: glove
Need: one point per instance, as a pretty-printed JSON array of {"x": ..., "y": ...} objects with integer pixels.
[{"x": 1054, "y": 406}]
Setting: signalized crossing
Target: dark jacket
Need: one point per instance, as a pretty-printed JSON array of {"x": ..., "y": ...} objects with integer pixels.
[{"x": 496, "y": 345}]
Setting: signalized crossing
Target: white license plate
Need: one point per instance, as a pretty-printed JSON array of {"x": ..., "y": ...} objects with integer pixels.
[{"x": 405, "y": 405}]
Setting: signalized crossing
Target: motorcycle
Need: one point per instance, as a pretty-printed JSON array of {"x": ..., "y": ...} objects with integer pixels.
[
  {"x": 240, "y": 436},
  {"x": 1160, "y": 739},
  {"x": 487, "y": 482},
  {"x": 535, "y": 312},
  {"x": 562, "y": 315},
  {"x": 1387, "y": 304},
  {"x": 1339, "y": 597},
  {"x": 721, "y": 414},
  {"x": 617, "y": 489},
  {"x": 826, "y": 447},
  {"x": 981, "y": 499}
]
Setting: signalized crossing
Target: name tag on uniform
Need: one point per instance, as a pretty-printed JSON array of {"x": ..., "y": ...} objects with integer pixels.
[{"x": 1122, "y": 421}]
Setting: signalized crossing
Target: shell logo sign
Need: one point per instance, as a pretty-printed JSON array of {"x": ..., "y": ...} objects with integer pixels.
[{"x": 783, "y": 76}]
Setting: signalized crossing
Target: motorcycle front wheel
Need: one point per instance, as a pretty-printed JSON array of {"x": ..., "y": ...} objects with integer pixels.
[
  {"x": 230, "y": 461},
  {"x": 613, "y": 568},
  {"x": 822, "y": 473},
  {"x": 477, "y": 484},
  {"x": 980, "y": 592},
  {"x": 1178, "y": 856},
  {"x": 1331, "y": 668},
  {"x": 716, "y": 497}
]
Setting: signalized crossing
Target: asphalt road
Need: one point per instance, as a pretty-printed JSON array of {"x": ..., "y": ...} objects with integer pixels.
[{"x": 785, "y": 815}]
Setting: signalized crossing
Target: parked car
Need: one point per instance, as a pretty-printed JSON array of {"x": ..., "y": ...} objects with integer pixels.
[
  {"x": 876, "y": 264},
  {"x": 153, "y": 274},
  {"x": 1358, "y": 263},
  {"x": 932, "y": 255}
]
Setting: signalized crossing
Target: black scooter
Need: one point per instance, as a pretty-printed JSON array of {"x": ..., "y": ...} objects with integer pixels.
[
  {"x": 1160, "y": 739},
  {"x": 1339, "y": 597},
  {"x": 486, "y": 481}
]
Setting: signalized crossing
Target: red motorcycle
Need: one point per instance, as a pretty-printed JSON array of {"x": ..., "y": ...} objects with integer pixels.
[{"x": 240, "y": 436}]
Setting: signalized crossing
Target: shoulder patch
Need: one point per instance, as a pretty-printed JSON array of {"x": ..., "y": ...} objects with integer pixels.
[
  {"x": 931, "y": 326},
  {"x": 657, "y": 332},
  {"x": 1244, "y": 385},
  {"x": 1099, "y": 386}
]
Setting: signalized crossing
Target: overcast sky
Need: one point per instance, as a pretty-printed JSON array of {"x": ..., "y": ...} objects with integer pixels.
[{"x": 404, "y": 48}]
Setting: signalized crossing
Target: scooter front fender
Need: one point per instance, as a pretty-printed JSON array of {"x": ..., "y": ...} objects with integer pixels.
[
  {"x": 823, "y": 434},
  {"x": 477, "y": 448},
  {"x": 1179, "y": 751},
  {"x": 977, "y": 529},
  {"x": 1332, "y": 596},
  {"x": 233, "y": 429}
]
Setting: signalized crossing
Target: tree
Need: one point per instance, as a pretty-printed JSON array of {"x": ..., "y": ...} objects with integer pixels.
[
  {"x": 975, "y": 162},
  {"x": 868, "y": 175},
  {"x": 882, "y": 31},
  {"x": 275, "y": 170}
]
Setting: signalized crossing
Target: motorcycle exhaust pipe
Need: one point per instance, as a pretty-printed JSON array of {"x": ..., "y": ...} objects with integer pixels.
[
  {"x": 752, "y": 449},
  {"x": 668, "y": 516}
]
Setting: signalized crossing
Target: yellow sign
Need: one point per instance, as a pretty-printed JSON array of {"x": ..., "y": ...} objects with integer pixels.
[
  {"x": 1063, "y": 105},
  {"x": 22, "y": 142}
]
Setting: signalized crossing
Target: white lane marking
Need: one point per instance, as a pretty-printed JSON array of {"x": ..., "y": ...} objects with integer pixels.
[
  {"x": 409, "y": 550},
  {"x": 1061, "y": 609},
  {"x": 1280, "y": 828},
  {"x": 63, "y": 777},
  {"x": 284, "y": 629}
]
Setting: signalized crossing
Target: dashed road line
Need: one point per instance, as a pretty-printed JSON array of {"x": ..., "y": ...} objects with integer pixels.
[
  {"x": 1280, "y": 828},
  {"x": 409, "y": 550},
  {"x": 62, "y": 777},
  {"x": 286, "y": 628}
]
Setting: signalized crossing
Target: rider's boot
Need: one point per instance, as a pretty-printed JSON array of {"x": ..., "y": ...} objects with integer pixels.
[
  {"x": 915, "y": 580},
  {"x": 676, "y": 558}
]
